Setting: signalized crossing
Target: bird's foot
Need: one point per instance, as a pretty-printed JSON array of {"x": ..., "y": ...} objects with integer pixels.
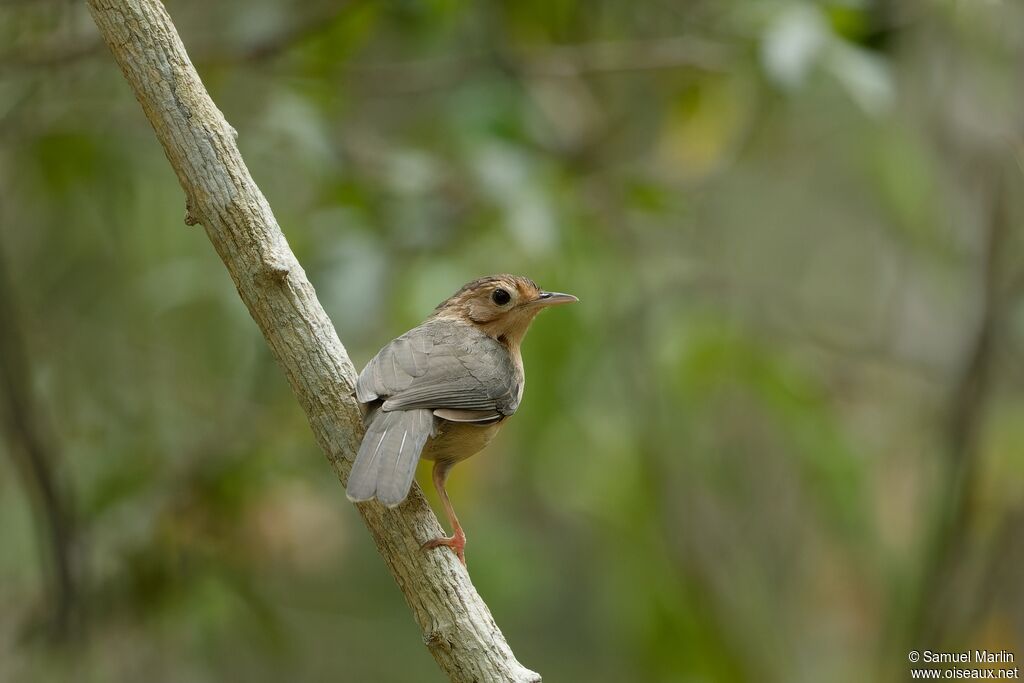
[{"x": 456, "y": 542}]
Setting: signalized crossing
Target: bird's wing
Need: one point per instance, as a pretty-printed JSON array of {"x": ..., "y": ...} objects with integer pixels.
[
  {"x": 442, "y": 365},
  {"x": 474, "y": 416},
  {"x": 396, "y": 366}
]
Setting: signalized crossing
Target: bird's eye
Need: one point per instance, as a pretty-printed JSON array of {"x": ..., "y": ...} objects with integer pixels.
[{"x": 501, "y": 297}]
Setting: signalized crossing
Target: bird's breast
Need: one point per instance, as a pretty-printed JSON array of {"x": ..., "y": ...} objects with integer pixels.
[{"x": 456, "y": 441}]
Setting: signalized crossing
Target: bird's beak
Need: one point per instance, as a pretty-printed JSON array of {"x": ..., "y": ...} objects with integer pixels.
[{"x": 554, "y": 299}]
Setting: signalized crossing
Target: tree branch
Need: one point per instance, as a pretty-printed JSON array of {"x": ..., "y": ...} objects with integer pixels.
[
  {"x": 457, "y": 626},
  {"x": 940, "y": 598},
  {"x": 559, "y": 62},
  {"x": 32, "y": 452}
]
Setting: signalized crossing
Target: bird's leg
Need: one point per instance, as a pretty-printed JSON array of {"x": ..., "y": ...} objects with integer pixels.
[{"x": 457, "y": 541}]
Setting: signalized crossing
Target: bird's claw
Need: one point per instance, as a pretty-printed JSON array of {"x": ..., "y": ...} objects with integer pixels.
[{"x": 456, "y": 543}]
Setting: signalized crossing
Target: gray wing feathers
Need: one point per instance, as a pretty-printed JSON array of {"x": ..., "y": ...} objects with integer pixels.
[
  {"x": 396, "y": 366},
  {"x": 386, "y": 462},
  {"x": 477, "y": 416},
  {"x": 476, "y": 373},
  {"x": 440, "y": 366}
]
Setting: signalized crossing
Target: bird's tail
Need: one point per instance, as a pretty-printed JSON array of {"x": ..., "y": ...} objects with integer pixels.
[{"x": 386, "y": 462}]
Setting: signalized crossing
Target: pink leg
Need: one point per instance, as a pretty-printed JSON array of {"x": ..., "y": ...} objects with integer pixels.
[{"x": 457, "y": 541}]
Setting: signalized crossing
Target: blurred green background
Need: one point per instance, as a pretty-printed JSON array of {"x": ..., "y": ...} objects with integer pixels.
[{"x": 780, "y": 439}]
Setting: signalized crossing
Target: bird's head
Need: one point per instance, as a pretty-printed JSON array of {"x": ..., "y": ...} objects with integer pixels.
[{"x": 503, "y": 306}]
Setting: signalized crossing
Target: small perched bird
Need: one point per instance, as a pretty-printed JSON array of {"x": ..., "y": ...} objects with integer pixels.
[{"x": 442, "y": 390}]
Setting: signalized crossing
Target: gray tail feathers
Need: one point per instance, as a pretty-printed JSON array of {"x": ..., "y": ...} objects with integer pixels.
[{"x": 386, "y": 462}]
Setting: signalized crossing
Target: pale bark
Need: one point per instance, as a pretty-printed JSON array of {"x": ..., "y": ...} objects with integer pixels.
[{"x": 457, "y": 626}]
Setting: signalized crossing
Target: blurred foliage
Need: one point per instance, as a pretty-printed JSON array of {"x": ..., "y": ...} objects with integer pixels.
[{"x": 779, "y": 440}]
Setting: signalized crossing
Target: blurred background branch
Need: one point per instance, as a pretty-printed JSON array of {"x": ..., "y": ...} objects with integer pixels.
[
  {"x": 313, "y": 20},
  {"x": 30, "y": 446},
  {"x": 945, "y": 590}
]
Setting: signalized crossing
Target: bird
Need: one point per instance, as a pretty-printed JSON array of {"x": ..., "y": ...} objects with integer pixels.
[{"x": 442, "y": 390}]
